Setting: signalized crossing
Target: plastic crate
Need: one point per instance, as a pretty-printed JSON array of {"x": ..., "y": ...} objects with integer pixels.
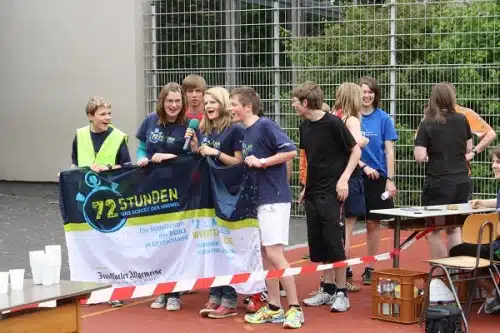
[{"x": 389, "y": 305}]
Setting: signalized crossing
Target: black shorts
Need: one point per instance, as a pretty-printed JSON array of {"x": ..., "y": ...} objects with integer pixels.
[
  {"x": 355, "y": 204},
  {"x": 440, "y": 191},
  {"x": 325, "y": 229},
  {"x": 466, "y": 249},
  {"x": 373, "y": 192}
]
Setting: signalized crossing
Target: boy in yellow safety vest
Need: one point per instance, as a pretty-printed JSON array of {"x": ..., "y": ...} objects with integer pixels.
[{"x": 99, "y": 145}]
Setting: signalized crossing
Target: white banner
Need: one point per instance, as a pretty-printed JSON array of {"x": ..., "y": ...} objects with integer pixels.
[{"x": 167, "y": 248}]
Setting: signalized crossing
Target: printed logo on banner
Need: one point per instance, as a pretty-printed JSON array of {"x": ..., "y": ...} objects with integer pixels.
[
  {"x": 99, "y": 205},
  {"x": 106, "y": 210}
]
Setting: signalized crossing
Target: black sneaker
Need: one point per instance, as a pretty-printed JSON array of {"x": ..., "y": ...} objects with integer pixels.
[
  {"x": 116, "y": 304},
  {"x": 367, "y": 276},
  {"x": 492, "y": 306},
  {"x": 348, "y": 273}
]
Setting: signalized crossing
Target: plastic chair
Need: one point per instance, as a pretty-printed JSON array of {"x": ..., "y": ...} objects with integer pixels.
[{"x": 472, "y": 233}]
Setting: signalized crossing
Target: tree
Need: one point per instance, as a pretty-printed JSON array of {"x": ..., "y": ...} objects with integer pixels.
[{"x": 439, "y": 41}]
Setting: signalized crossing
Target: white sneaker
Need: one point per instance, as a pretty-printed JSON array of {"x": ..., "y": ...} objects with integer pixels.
[
  {"x": 159, "y": 303},
  {"x": 340, "y": 303},
  {"x": 173, "y": 304},
  {"x": 319, "y": 298},
  {"x": 314, "y": 292}
]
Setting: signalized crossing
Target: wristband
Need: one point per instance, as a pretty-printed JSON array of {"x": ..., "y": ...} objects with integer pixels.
[{"x": 218, "y": 154}]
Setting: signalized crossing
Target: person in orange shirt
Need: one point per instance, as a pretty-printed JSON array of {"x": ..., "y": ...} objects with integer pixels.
[{"x": 480, "y": 128}]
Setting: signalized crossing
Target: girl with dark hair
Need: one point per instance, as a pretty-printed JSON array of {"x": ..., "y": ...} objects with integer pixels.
[
  {"x": 377, "y": 164},
  {"x": 443, "y": 139}
]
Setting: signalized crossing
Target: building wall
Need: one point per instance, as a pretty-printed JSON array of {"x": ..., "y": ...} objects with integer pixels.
[{"x": 55, "y": 55}]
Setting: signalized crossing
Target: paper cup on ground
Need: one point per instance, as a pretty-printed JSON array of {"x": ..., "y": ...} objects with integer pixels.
[
  {"x": 4, "y": 282},
  {"x": 16, "y": 279},
  {"x": 37, "y": 259}
]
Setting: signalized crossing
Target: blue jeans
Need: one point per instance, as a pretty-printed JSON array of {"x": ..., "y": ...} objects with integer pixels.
[
  {"x": 224, "y": 295},
  {"x": 174, "y": 295}
]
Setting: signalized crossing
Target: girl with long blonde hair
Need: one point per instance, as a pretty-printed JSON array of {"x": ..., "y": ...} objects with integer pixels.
[
  {"x": 348, "y": 103},
  {"x": 221, "y": 139}
]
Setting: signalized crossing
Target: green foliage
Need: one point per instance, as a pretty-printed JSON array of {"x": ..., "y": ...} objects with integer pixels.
[
  {"x": 439, "y": 41},
  {"x": 442, "y": 40}
]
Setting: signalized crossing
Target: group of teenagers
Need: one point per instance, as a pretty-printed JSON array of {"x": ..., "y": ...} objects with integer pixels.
[{"x": 346, "y": 163}]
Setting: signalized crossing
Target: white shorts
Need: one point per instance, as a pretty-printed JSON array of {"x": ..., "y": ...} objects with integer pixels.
[{"x": 274, "y": 222}]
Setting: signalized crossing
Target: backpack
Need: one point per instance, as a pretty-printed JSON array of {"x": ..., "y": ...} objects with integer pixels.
[{"x": 443, "y": 319}]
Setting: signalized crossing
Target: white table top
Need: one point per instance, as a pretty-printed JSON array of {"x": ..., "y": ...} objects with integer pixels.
[{"x": 431, "y": 211}]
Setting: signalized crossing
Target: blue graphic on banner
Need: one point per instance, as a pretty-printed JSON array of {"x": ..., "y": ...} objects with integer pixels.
[{"x": 105, "y": 201}]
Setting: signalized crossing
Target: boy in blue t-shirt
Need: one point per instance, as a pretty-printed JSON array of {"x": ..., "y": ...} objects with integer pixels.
[{"x": 266, "y": 149}]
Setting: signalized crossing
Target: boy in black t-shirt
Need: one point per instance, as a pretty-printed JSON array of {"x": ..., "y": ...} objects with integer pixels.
[{"x": 332, "y": 155}]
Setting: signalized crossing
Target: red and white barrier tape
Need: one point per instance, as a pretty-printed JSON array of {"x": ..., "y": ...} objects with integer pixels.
[
  {"x": 122, "y": 293},
  {"x": 49, "y": 304}
]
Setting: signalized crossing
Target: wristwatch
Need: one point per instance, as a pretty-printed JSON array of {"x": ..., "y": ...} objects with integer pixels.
[
  {"x": 110, "y": 167},
  {"x": 263, "y": 161},
  {"x": 218, "y": 154},
  {"x": 390, "y": 178},
  {"x": 474, "y": 150}
]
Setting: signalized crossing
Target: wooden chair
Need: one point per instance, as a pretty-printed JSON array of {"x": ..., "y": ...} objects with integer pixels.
[{"x": 472, "y": 233}]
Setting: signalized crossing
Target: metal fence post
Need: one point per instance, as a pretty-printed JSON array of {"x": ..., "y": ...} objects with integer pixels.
[
  {"x": 277, "y": 75},
  {"x": 393, "y": 48}
]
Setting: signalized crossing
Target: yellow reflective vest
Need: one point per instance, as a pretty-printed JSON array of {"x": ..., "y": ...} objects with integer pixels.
[{"x": 106, "y": 154}]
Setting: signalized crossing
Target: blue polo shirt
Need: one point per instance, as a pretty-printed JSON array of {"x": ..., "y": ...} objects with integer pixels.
[{"x": 264, "y": 139}]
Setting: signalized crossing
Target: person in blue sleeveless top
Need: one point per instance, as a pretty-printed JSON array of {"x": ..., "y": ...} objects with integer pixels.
[
  {"x": 492, "y": 292},
  {"x": 377, "y": 164},
  {"x": 161, "y": 137},
  {"x": 222, "y": 140}
]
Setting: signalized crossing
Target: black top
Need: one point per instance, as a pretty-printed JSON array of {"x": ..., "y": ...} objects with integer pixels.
[
  {"x": 122, "y": 157},
  {"x": 327, "y": 143},
  {"x": 446, "y": 145}
]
